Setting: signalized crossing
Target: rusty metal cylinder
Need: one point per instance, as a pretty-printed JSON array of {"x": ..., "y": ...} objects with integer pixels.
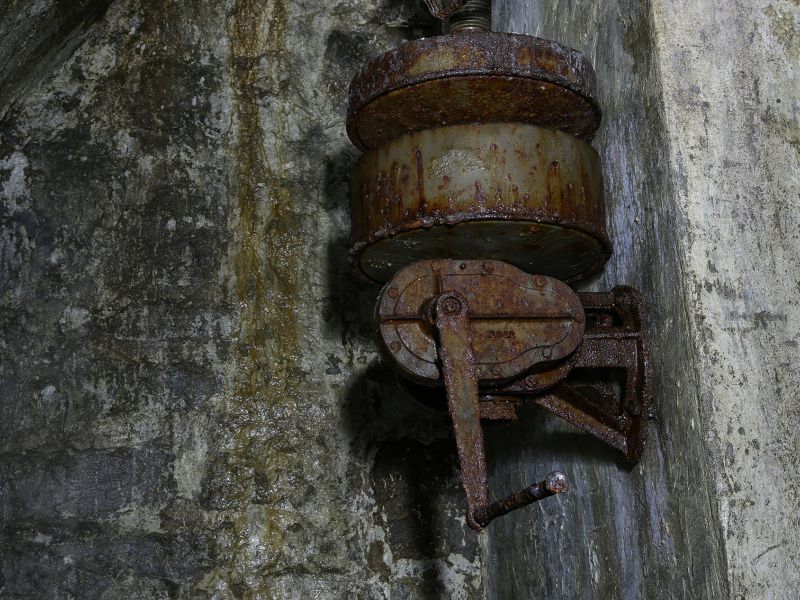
[
  {"x": 476, "y": 78},
  {"x": 477, "y": 146},
  {"x": 519, "y": 193}
]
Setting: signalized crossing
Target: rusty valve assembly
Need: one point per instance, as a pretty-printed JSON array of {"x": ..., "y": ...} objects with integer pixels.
[{"x": 477, "y": 196}]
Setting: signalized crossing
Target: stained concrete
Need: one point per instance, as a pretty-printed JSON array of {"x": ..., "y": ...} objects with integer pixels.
[
  {"x": 731, "y": 94},
  {"x": 191, "y": 403},
  {"x": 699, "y": 142},
  {"x": 650, "y": 531}
]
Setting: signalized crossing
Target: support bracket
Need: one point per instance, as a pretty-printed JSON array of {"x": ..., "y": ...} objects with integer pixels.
[{"x": 493, "y": 337}]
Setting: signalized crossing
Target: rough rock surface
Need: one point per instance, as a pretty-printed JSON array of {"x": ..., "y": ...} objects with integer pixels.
[{"x": 190, "y": 400}]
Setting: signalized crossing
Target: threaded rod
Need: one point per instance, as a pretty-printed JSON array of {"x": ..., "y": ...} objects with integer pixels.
[{"x": 476, "y": 15}]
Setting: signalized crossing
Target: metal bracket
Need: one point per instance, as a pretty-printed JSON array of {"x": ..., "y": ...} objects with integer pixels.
[
  {"x": 605, "y": 388},
  {"x": 495, "y": 336}
]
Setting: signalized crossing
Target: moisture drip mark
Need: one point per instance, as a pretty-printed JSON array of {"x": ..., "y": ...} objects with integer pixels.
[{"x": 268, "y": 263}]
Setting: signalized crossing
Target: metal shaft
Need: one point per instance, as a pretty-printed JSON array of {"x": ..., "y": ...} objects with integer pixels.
[
  {"x": 450, "y": 316},
  {"x": 555, "y": 483},
  {"x": 455, "y": 352}
]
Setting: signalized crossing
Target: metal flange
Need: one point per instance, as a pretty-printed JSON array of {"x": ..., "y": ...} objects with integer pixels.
[
  {"x": 472, "y": 78},
  {"x": 522, "y": 194}
]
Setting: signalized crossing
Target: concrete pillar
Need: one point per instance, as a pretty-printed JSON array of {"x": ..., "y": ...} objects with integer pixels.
[
  {"x": 191, "y": 403},
  {"x": 700, "y": 146},
  {"x": 731, "y": 92}
]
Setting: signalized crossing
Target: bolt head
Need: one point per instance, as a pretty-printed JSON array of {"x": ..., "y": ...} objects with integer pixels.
[
  {"x": 393, "y": 293},
  {"x": 539, "y": 281},
  {"x": 451, "y": 306},
  {"x": 395, "y": 346},
  {"x": 487, "y": 267},
  {"x": 495, "y": 371},
  {"x": 547, "y": 352}
]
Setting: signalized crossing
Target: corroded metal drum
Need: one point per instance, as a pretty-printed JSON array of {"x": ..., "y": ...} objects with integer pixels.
[
  {"x": 472, "y": 78},
  {"x": 476, "y": 146}
]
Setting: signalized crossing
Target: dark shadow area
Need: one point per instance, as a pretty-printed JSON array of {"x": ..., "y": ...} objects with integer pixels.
[
  {"x": 408, "y": 449},
  {"x": 348, "y": 312},
  {"x": 537, "y": 431},
  {"x": 35, "y": 43},
  {"x": 419, "y": 502},
  {"x": 411, "y": 19}
]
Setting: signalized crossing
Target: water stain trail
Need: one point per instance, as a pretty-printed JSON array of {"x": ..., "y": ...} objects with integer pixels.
[
  {"x": 267, "y": 260},
  {"x": 268, "y": 268}
]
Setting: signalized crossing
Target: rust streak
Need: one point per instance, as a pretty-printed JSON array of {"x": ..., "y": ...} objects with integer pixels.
[{"x": 423, "y": 203}]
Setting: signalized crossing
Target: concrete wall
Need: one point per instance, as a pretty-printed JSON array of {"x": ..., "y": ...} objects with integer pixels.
[
  {"x": 651, "y": 531},
  {"x": 191, "y": 403},
  {"x": 731, "y": 94},
  {"x": 700, "y": 147}
]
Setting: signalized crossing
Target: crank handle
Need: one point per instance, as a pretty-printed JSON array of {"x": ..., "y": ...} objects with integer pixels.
[{"x": 555, "y": 483}]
